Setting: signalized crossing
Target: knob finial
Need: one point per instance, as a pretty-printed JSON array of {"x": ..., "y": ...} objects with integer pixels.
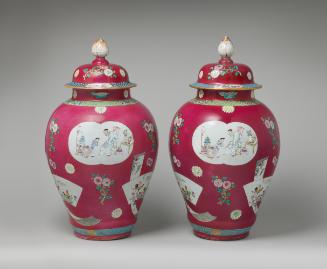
[
  {"x": 225, "y": 47},
  {"x": 100, "y": 48}
]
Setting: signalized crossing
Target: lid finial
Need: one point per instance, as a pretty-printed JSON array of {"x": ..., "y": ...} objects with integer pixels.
[
  {"x": 100, "y": 48},
  {"x": 225, "y": 47}
]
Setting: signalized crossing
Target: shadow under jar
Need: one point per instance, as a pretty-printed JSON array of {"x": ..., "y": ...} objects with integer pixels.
[
  {"x": 224, "y": 147},
  {"x": 101, "y": 147}
]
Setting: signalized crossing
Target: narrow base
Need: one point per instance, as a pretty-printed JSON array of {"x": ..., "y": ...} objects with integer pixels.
[
  {"x": 102, "y": 238},
  {"x": 220, "y": 238},
  {"x": 220, "y": 234},
  {"x": 104, "y": 234}
]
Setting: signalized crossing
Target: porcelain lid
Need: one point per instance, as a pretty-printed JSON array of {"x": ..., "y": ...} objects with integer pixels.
[
  {"x": 100, "y": 74},
  {"x": 225, "y": 75}
]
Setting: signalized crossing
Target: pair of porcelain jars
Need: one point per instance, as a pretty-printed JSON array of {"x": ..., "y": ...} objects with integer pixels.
[{"x": 102, "y": 147}]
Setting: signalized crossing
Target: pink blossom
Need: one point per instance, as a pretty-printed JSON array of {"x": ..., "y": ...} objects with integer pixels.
[
  {"x": 97, "y": 180},
  {"x": 218, "y": 182},
  {"x": 227, "y": 184}
]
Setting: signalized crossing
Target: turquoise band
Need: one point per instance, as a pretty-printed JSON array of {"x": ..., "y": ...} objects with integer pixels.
[
  {"x": 219, "y": 232},
  {"x": 104, "y": 232}
]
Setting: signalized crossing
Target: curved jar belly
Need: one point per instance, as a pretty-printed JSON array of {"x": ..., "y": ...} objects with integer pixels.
[
  {"x": 101, "y": 152},
  {"x": 224, "y": 148}
]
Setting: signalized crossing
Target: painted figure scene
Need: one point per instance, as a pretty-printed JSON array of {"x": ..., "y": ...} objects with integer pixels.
[
  {"x": 115, "y": 141},
  {"x": 236, "y": 142}
]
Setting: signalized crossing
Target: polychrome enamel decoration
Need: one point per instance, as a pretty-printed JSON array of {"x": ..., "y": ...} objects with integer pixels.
[
  {"x": 224, "y": 147},
  {"x": 101, "y": 146}
]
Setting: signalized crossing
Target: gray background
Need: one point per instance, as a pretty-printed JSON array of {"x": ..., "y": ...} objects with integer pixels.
[{"x": 163, "y": 45}]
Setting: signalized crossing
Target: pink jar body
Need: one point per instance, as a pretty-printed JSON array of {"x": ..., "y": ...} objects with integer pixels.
[
  {"x": 102, "y": 147},
  {"x": 224, "y": 148}
]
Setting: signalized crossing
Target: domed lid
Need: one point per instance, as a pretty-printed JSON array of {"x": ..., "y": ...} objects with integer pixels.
[
  {"x": 100, "y": 74},
  {"x": 225, "y": 75}
]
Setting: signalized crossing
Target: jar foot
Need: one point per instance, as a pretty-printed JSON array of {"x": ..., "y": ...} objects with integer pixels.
[
  {"x": 103, "y": 234},
  {"x": 220, "y": 234}
]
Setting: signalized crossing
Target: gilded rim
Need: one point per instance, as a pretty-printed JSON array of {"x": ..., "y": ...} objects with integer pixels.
[
  {"x": 226, "y": 87},
  {"x": 100, "y": 86}
]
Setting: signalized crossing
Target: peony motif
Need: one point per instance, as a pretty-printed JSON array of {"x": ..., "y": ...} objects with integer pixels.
[
  {"x": 218, "y": 183},
  {"x": 215, "y": 73},
  {"x": 150, "y": 130},
  {"x": 97, "y": 180},
  {"x": 228, "y": 109},
  {"x": 53, "y": 130},
  {"x": 106, "y": 182},
  {"x": 272, "y": 129},
  {"x": 103, "y": 186},
  {"x": 224, "y": 187},
  {"x": 227, "y": 185},
  {"x": 53, "y": 127},
  {"x": 177, "y": 124},
  {"x": 236, "y": 214},
  {"x": 197, "y": 171}
]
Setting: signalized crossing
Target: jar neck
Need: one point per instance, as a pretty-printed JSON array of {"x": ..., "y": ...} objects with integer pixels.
[
  {"x": 225, "y": 95},
  {"x": 100, "y": 95}
]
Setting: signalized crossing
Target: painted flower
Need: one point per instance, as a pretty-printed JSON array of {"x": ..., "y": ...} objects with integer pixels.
[
  {"x": 178, "y": 163},
  {"x": 147, "y": 127},
  {"x": 149, "y": 162},
  {"x": 174, "y": 159},
  {"x": 215, "y": 73},
  {"x": 272, "y": 125},
  {"x": 178, "y": 121},
  {"x": 106, "y": 182},
  {"x": 236, "y": 214},
  {"x": 108, "y": 72},
  {"x": 151, "y": 127},
  {"x": 218, "y": 183},
  {"x": 227, "y": 185},
  {"x": 52, "y": 164},
  {"x": 197, "y": 171},
  {"x": 267, "y": 123},
  {"x": 53, "y": 127},
  {"x": 228, "y": 109},
  {"x": 201, "y": 74},
  {"x": 150, "y": 130},
  {"x": 201, "y": 94},
  {"x": 224, "y": 187},
  {"x": 97, "y": 180}
]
